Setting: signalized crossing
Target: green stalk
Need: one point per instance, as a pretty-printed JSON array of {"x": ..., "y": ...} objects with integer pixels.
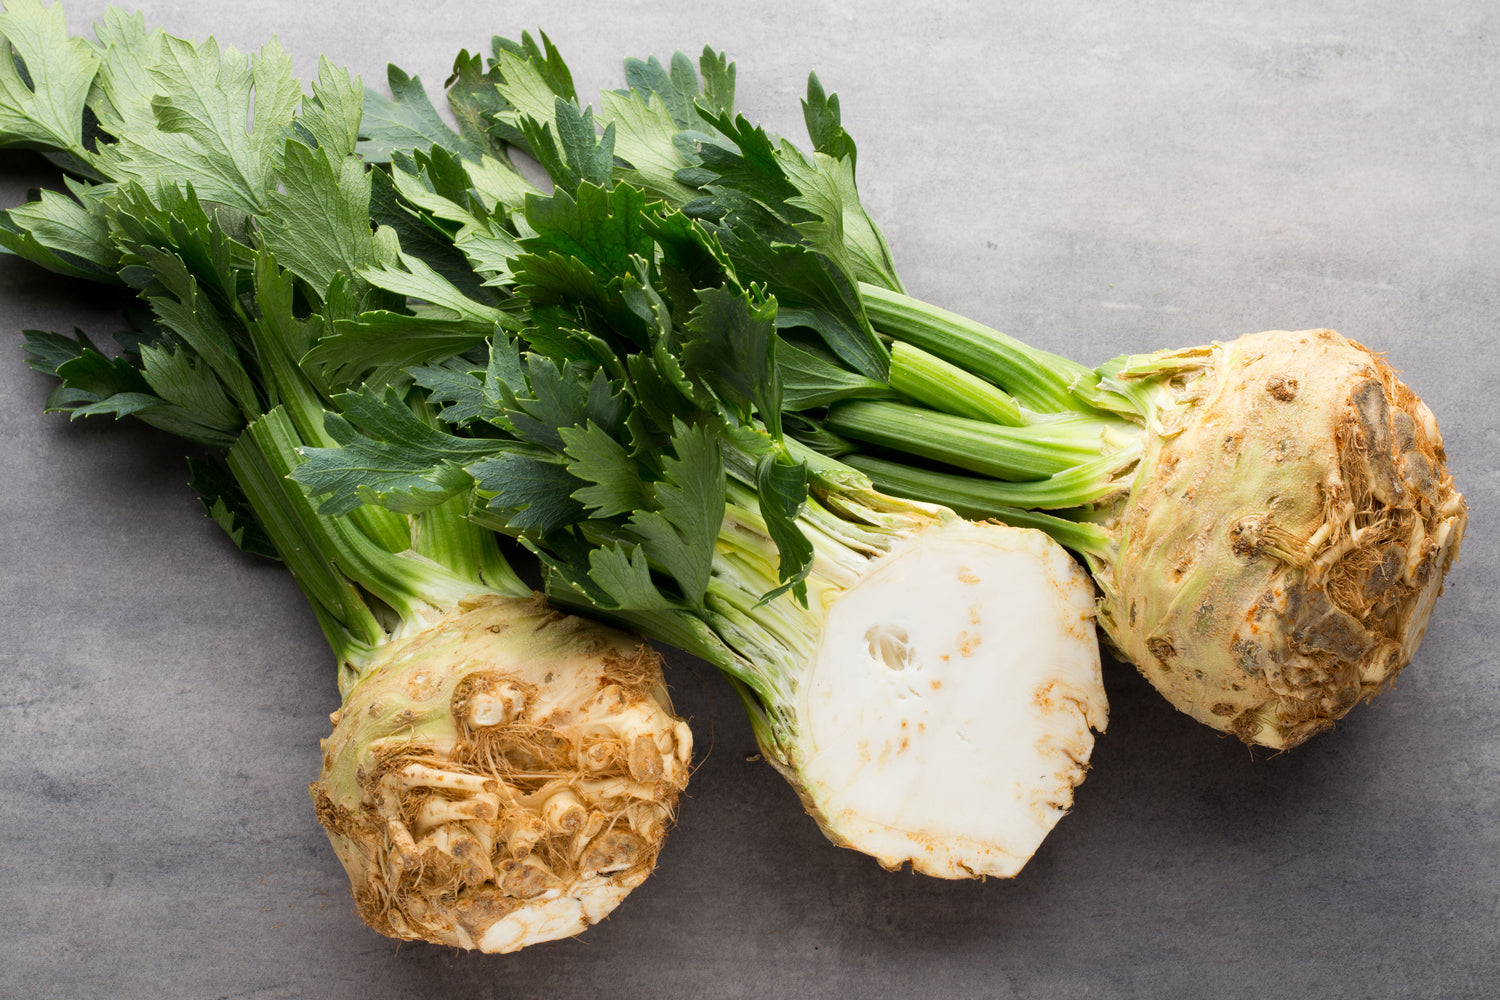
[
  {"x": 351, "y": 627},
  {"x": 339, "y": 566},
  {"x": 1035, "y": 451},
  {"x": 1016, "y": 504},
  {"x": 1040, "y": 380},
  {"x": 934, "y": 382}
]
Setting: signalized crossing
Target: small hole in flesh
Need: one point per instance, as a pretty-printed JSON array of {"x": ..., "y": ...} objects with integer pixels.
[{"x": 889, "y": 645}]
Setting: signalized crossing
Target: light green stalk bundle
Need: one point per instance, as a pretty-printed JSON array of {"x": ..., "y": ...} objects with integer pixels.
[{"x": 500, "y": 773}]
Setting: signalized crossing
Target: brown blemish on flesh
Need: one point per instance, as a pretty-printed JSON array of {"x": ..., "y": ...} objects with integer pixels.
[{"x": 1282, "y": 387}]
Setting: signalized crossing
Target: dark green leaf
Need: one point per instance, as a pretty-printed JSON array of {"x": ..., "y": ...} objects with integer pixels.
[
  {"x": 624, "y": 574},
  {"x": 782, "y": 486},
  {"x": 473, "y": 98},
  {"x": 809, "y": 381},
  {"x": 229, "y": 508},
  {"x": 535, "y": 496},
  {"x": 419, "y": 239},
  {"x": 679, "y": 534},
  {"x": 388, "y": 456},
  {"x": 820, "y": 111},
  {"x": 811, "y": 292},
  {"x": 614, "y": 484}
]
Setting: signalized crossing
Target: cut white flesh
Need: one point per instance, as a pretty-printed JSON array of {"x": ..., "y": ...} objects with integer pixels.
[
  {"x": 554, "y": 919},
  {"x": 946, "y": 716}
]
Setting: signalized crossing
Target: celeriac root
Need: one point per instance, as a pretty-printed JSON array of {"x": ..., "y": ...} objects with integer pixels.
[
  {"x": 1287, "y": 533},
  {"x": 506, "y": 776}
]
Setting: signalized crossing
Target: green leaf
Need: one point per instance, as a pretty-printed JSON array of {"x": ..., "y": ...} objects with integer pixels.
[
  {"x": 624, "y": 575},
  {"x": 81, "y": 366},
  {"x": 416, "y": 279},
  {"x": 718, "y": 82},
  {"x": 417, "y": 237},
  {"x": 92, "y": 384},
  {"x": 534, "y": 495},
  {"x": 331, "y": 116},
  {"x": 498, "y": 183},
  {"x": 45, "y": 77},
  {"x": 203, "y": 102},
  {"x": 600, "y": 228},
  {"x": 46, "y": 351},
  {"x": 542, "y": 59},
  {"x": 125, "y": 88},
  {"x": 809, "y": 381},
  {"x": 749, "y": 165},
  {"x": 474, "y": 99},
  {"x": 456, "y": 389},
  {"x": 531, "y": 84},
  {"x": 62, "y": 236},
  {"x": 489, "y": 250},
  {"x": 590, "y": 155},
  {"x": 74, "y": 229},
  {"x": 812, "y": 292},
  {"x": 177, "y": 378},
  {"x": 280, "y": 339},
  {"x": 505, "y": 375},
  {"x": 205, "y": 327},
  {"x": 558, "y": 398},
  {"x": 173, "y": 222},
  {"x": 387, "y": 456},
  {"x": 645, "y": 139},
  {"x": 467, "y": 395},
  {"x": 437, "y": 188},
  {"x": 735, "y": 353},
  {"x": 689, "y": 256},
  {"x": 318, "y": 225},
  {"x": 839, "y": 227},
  {"x": 679, "y": 534},
  {"x": 781, "y": 484},
  {"x": 405, "y": 121},
  {"x": 678, "y": 90},
  {"x": 380, "y": 344},
  {"x": 614, "y": 484},
  {"x": 820, "y": 112},
  {"x": 229, "y": 507}
]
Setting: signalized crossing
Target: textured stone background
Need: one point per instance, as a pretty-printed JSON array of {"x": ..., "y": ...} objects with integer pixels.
[{"x": 1093, "y": 177}]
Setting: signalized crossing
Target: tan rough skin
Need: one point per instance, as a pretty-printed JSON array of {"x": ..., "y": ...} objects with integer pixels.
[
  {"x": 1286, "y": 534},
  {"x": 503, "y": 777}
]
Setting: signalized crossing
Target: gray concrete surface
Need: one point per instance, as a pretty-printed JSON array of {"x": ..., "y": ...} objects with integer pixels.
[{"x": 1093, "y": 177}]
